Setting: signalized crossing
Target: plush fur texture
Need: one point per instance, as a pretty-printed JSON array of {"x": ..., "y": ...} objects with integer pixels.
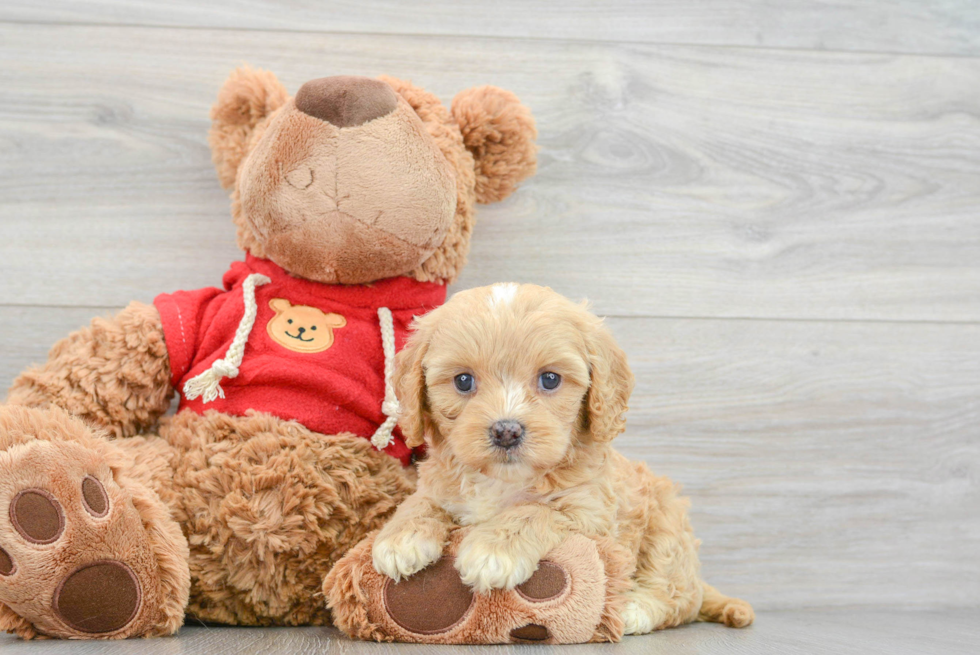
[
  {"x": 562, "y": 478},
  {"x": 114, "y": 374},
  {"x": 235, "y": 519}
]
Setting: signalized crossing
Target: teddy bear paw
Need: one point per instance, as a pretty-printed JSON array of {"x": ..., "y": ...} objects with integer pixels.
[
  {"x": 561, "y": 601},
  {"x": 77, "y": 558}
]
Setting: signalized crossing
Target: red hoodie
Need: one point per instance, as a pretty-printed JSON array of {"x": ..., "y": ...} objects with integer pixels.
[{"x": 314, "y": 353}]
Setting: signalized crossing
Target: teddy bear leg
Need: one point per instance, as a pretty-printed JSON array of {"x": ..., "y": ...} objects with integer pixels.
[
  {"x": 570, "y": 599},
  {"x": 87, "y": 550},
  {"x": 268, "y": 507}
]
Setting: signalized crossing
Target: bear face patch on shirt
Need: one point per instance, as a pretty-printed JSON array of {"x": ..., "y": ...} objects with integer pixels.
[{"x": 302, "y": 328}]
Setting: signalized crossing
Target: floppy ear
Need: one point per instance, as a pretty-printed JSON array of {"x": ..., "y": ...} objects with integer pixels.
[
  {"x": 246, "y": 99},
  {"x": 409, "y": 380},
  {"x": 500, "y": 133},
  {"x": 611, "y": 383},
  {"x": 335, "y": 321}
]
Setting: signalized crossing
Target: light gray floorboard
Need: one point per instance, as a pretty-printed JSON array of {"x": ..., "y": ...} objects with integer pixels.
[
  {"x": 828, "y": 463},
  {"x": 919, "y": 26},
  {"x": 839, "y": 632},
  {"x": 674, "y": 181}
]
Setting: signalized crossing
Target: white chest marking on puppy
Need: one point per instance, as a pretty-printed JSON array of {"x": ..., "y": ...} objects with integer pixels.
[{"x": 502, "y": 295}]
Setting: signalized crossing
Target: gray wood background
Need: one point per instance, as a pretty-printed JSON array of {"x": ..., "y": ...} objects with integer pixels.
[{"x": 777, "y": 204}]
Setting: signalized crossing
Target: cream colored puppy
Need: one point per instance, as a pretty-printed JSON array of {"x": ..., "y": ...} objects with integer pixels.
[{"x": 518, "y": 393}]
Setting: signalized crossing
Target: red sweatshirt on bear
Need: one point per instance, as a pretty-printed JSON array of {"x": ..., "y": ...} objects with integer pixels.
[{"x": 313, "y": 352}]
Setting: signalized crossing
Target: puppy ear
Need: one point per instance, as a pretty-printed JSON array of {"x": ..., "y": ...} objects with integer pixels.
[
  {"x": 610, "y": 387},
  {"x": 247, "y": 98},
  {"x": 409, "y": 380},
  {"x": 500, "y": 133}
]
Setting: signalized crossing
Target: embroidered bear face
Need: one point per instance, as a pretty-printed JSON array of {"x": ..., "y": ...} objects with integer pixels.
[{"x": 302, "y": 328}]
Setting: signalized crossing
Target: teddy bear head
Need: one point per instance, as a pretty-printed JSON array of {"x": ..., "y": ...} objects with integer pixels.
[{"x": 357, "y": 179}]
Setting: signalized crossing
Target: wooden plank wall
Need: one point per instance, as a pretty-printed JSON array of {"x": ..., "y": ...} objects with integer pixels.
[{"x": 776, "y": 203}]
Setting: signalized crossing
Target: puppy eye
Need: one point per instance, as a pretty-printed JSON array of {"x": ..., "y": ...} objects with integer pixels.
[
  {"x": 313, "y": 328},
  {"x": 464, "y": 383},
  {"x": 549, "y": 381},
  {"x": 290, "y": 321}
]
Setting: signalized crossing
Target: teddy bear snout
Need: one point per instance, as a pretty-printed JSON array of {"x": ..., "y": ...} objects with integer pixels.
[{"x": 346, "y": 100}]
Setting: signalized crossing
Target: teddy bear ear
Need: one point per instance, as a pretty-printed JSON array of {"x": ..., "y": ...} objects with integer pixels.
[
  {"x": 246, "y": 99},
  {"x": 500, "y": 133}
]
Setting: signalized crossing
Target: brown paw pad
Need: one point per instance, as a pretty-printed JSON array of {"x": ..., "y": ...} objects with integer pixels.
[
  {"x": 433, "y": 600},
  {"x": 6, "y": 563},
  {"x": 547, "y": 583},
  {"x": 37, "y": 516},
  {"x": 530, "y": 632},
  {"x": 98, "y": 598},
  {"x": 94, "y": 497}
]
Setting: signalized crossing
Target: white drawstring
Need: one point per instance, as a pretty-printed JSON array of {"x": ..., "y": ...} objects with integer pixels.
[
  {"x": 382, "y": 438},
  {"x": 207, "y": 384}
]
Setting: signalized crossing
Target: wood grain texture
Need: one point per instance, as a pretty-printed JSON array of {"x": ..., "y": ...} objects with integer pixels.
[
  {"x": 916, "y": 26},
  {"x": 674, "y": 181},
  {"x": 838, "y": 632},
  {"x": 829, "y": 464}
]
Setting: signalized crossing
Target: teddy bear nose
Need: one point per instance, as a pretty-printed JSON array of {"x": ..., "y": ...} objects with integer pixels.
[{"x": 346, "y": 100}]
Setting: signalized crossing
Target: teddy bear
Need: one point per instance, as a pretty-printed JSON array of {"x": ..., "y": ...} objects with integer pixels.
[{"x": 354, "y": 205}]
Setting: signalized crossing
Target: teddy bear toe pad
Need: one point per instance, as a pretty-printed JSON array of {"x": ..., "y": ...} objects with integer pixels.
[
  {"x": 37, "y": 516},
  {"x": 433, "y": 600},
  {"x": 75, "y": 556}
]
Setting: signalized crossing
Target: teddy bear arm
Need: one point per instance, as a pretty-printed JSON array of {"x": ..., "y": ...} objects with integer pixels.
[{"x": 114, "y": 374}]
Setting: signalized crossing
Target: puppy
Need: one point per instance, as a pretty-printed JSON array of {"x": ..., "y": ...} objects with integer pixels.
[{"x": 518, "y": 393}]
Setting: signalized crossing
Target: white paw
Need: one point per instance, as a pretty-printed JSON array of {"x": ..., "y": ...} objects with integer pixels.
[
  {"x": 636, "y": 620},
  {"x": 404, "y": 554},
  {"x": 485, "y": 567}
]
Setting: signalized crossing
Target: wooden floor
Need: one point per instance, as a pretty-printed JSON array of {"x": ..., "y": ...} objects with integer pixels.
[
  {"x": 776, "y": 203},
  {"x": 814, "y": 632}
]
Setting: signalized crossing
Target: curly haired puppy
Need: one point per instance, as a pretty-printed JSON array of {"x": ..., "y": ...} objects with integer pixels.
[{"x": 518, "y": 393}]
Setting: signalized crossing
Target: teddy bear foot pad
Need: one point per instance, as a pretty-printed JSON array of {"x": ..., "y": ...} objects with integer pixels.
[
  {"x": 435, "y": 600},
  {"x": 76, "y": 558},
  {"x": 562, "y": 603}
]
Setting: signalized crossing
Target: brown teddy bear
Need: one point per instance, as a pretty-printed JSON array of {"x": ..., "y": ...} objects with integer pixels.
[{"x": 354, "y": 205}]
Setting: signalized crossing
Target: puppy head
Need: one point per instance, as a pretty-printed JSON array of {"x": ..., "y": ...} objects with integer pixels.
[{"x": 509, "y": 378}]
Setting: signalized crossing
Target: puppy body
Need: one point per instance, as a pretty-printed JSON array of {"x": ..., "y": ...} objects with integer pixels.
[{"x": 527, "y": 465}]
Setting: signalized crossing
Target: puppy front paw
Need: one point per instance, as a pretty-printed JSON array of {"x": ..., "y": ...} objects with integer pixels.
[
  {"x": 404, "y": 553},
  {"x": 485, "y": 566}
]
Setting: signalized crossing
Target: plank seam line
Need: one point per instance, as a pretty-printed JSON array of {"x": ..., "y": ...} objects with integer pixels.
[
  {"x": 490, "y": 37},
  {"x": 655, "y": 317}
]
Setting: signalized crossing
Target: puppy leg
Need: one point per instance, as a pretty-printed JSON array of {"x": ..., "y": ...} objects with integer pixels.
[
  {"x": 667, "y": 588},
  {"x": 505, "y": 551},
  {"x": 413, "y": 539}
]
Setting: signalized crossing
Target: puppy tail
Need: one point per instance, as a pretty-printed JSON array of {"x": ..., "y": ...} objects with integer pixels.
[{"x": 719, "y": 608}]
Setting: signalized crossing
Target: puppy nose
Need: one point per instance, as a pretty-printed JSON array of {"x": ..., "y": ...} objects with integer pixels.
[
  {"x": 302, "y": 330},
  {"x": 506, "y": 434},
  {"x": 345, "y": 100}
]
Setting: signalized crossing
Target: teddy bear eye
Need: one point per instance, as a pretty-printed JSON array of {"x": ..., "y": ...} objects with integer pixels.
[
  {"x": 290, "y": 321},
  {"x": 313, "y": 328}
]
